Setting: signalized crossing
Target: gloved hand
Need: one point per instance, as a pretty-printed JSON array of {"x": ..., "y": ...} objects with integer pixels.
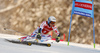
[
  {"x": 57, "y": 39},
  {"x": 38, "y": 36}
]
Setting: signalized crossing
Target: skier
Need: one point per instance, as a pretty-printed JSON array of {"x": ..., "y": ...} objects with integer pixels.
[{"x": 40, "y": 34}]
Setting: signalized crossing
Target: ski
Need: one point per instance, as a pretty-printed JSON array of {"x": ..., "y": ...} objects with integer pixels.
[{"x": 29, "y": 43}]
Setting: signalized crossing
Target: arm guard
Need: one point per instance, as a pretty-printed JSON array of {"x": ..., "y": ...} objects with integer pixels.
[{"x": 39, "y": 31}]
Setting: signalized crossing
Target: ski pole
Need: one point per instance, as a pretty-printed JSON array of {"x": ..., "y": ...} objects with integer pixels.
[{"x": 15, "y": 31}]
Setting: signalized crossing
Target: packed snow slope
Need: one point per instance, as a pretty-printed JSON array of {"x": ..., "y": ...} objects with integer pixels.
[{"x": 61, "y": 47}]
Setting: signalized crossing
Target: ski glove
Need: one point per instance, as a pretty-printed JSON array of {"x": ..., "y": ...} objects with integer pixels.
[
  {"x": 38, "y": 36},
  {"x": 57, "y": 39}
]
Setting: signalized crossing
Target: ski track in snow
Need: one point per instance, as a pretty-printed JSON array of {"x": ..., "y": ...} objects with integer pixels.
[{"x": 61, "y": 47}]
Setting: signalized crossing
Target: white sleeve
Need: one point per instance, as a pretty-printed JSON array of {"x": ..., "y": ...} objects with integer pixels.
[
  {"x": 56, "y": 30},
  {"x": 42, "y": 25}
]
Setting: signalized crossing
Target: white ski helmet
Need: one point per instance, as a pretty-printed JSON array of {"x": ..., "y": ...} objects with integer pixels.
[{"x": 51, "y": 18}]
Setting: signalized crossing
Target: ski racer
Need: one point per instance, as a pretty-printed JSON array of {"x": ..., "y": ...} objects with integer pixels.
[{"x": 41, "y": 32}]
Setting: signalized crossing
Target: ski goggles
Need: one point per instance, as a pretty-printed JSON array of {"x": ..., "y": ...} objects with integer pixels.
[{"x": 52, "y": 22}]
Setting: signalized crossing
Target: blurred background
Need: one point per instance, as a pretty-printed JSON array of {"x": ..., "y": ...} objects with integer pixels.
[{"x": 26, "y": 15}]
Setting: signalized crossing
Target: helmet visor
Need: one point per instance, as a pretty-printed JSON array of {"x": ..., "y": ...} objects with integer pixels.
[{"x": 52, "y": 22}]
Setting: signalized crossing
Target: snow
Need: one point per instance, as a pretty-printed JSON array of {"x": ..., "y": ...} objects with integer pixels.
[{"x": 61, "y": 47}]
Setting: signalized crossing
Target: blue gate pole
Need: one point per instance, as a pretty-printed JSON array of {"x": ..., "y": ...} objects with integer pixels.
[
  {"x": 71, "y": 20},
  {"x": 93, "y": 33},
  {"x": 69, "y": 30},
  {"x": 93, "y": 23}
]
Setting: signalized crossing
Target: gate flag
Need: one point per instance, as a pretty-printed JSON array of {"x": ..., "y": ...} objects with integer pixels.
[{"x": 84, "y": 8}]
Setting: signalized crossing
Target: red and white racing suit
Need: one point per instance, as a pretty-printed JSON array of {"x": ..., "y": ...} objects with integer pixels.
[{"x": 45, "y": 29}]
